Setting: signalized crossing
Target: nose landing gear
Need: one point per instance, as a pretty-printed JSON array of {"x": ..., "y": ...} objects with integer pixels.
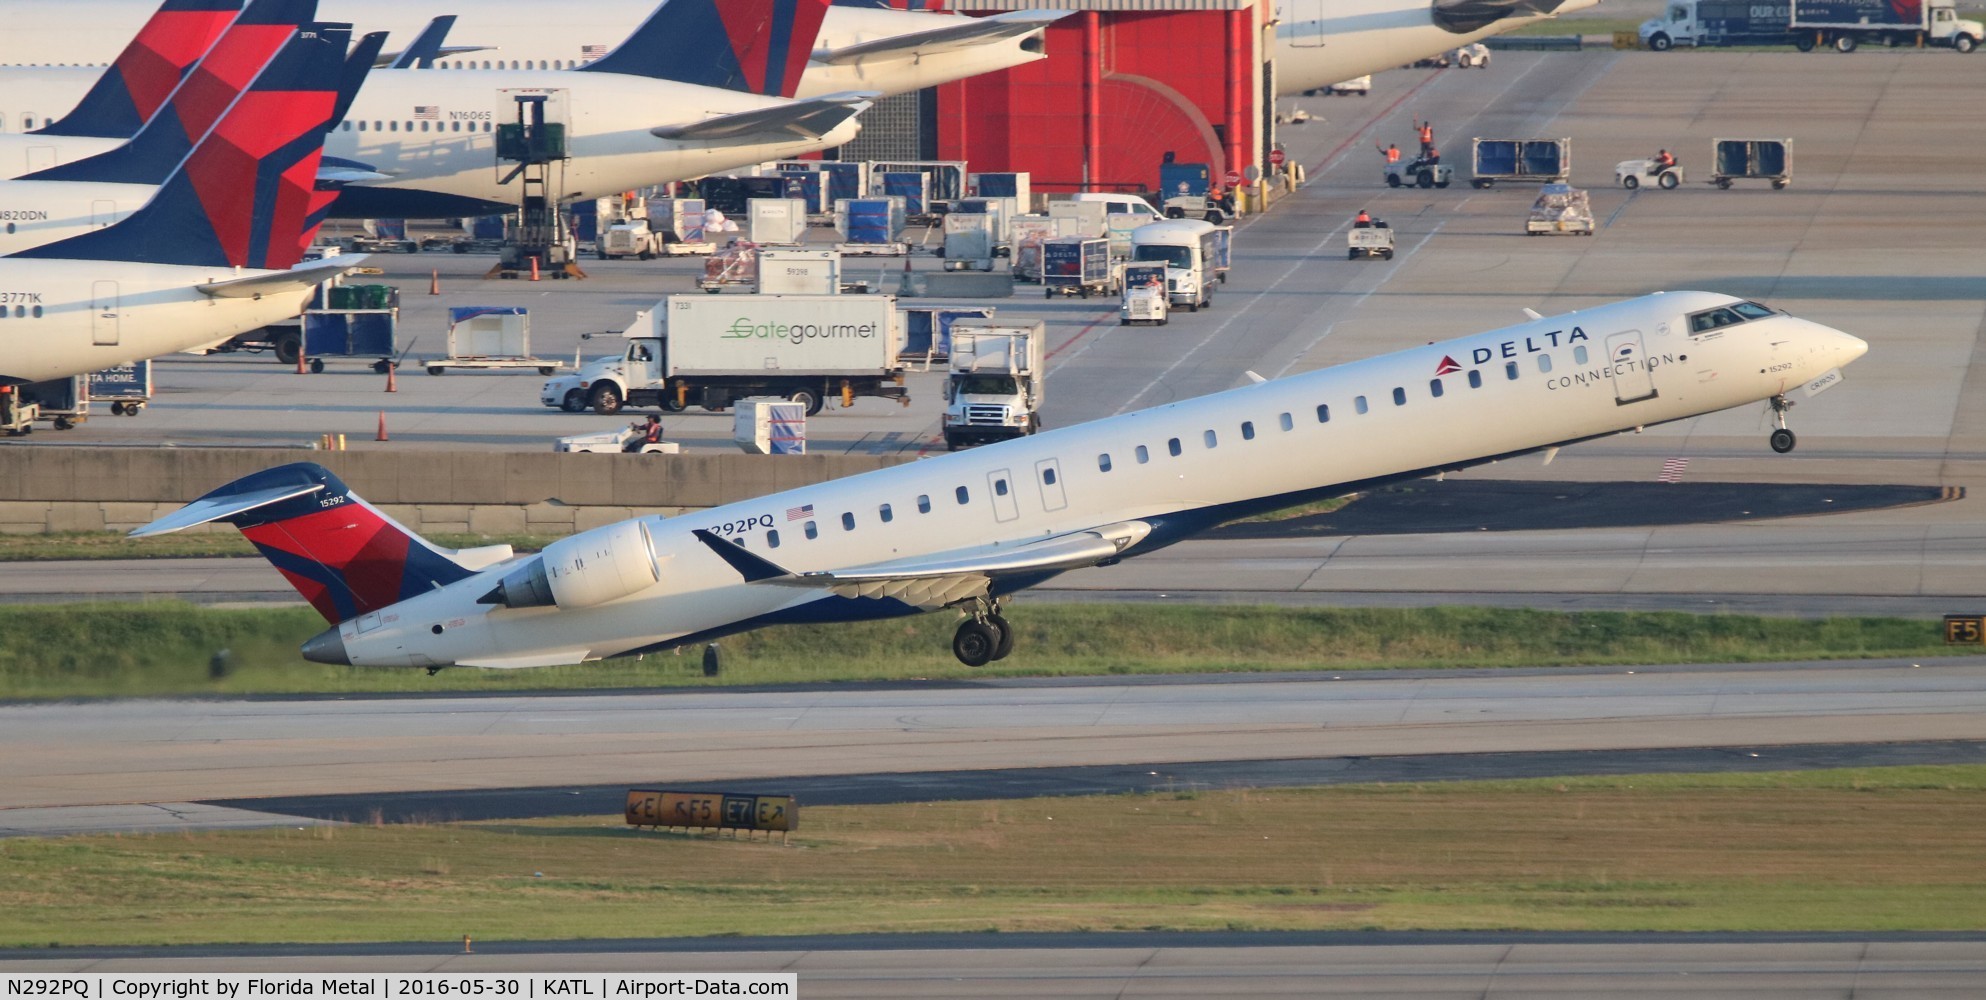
[
  {"x": 984, "y": 636},
  {"x": 1782, "y": 439}
]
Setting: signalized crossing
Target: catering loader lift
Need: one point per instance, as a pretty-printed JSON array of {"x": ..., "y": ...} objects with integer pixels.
[{"x": 534, "y": 149}]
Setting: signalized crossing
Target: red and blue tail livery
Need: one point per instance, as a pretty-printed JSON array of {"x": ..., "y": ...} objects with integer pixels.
[
  {"x": 147, "y": 71},
  {"x": 757, "y": 46},
  {"x": 345, "y": 556},
  {"x": 214, "y": 84},
  {"x": 244, "y": 195}
]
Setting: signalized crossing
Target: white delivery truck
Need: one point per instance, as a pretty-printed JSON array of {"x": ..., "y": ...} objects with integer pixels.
[
  {"x": 994, "y": 391},
  {"x": 1190, "y": 249},
  {"x": 705, "y": 350},
  {"x": 628, "y": 238}
]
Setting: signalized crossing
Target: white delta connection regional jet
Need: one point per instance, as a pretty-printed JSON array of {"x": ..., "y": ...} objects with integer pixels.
[{"x": 967, "y": 530}]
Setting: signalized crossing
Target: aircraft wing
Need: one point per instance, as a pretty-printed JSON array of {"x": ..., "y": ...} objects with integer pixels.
[
  {"x": 303, "y": 277},
  {"x": 808, "y": 119},
  {"x": 937, "y": 580},
  {"x": 969, "y": 32}
]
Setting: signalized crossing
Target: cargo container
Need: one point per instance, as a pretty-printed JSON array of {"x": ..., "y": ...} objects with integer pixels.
[
  {"x": 127, "y": 388},
  {"x": 928, "y": 329},
  {"x": 699, "y": 350},
  {"x": 1016, "y": 185},
  {"x": 913, "y": 188},
  {"x": 1540, "y": 161},
  {"x": 870, "y": 225},
  {"x": 1075, "y": 265},
  {"x": 1751, "y": 159},
  {"x": 969, "y": 242},
  {"x": 946, "y": 179},
  {"x": 776, "y": 220},
  {"x": 795, "y": 271}
]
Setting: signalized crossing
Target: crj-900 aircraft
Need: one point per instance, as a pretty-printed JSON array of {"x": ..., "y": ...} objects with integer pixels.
[{"x": 969, "y": 529}]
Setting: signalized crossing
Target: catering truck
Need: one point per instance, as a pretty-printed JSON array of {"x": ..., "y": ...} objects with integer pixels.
[
  {"x": 994, "y": 390},
  {"x": 1710, "y": 23},
  {"x": 1193, "y": 253},
  {"x": 1846, "y": 24},
  {"x": 702, "y": 350}
]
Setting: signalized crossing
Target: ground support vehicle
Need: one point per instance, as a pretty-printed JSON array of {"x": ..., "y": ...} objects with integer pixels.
[
  {"x": 615, "y": 443},
  {"x": 1632, "y": 174},
  {"x": 1143, "y": 301},
  {"x": 1562, "y": 209},
  {"x": 1371, "y": 242},
  {"x": 1419, "y": 173},
  {"x": 628, "y": 238},
  {"x": 1475, "y": 55},
  {"x": 927, "y": 330},
  {"x": 1535, "y": 161},
  {"x": 694, "y": 350},
  {"x": 1712, "y": 23},
  {"x": 994, "y": 389},
  {"x": 970, "y": 242},
  {"x": 1752, "y": 159},
  {"x": 496, "y": 337},
  {"x": 1076, "y": 265},
  {"x": 1190, "y": 250},
  {"x": 353, "y": 321},
  {"x": 127, "y": 388},
  {"x": 1845, "y": 24},
  {"x": 63, "y": 402},
  {"x": 1188, "y": 192},
  {"x": 736, "y": 266}
]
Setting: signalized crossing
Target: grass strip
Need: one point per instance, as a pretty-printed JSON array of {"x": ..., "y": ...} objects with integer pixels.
[
  {"x": 166, "y": 648},
  {"x": 1881, "y": 849}
]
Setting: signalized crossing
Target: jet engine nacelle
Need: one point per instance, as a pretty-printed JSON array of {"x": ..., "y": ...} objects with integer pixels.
[{"x": 593, "y": 567}]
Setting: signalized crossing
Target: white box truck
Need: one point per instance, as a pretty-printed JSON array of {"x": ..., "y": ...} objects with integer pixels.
[
  {"x": 709, "y": 350},
  {"x": 994, "y": 390},
  {"x": 1191, "y": 250}
]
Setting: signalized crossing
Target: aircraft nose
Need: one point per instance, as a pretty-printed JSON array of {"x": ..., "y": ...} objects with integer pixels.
[
  {"x": 326, "y": 647},
  {"x": 1851, "y": 347}
]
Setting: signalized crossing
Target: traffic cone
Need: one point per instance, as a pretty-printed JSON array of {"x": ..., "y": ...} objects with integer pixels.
[
  {"x": 434, "y": 282},
  {"x": 382, "y": 427},
  {"x": 391, "y": 384},
  {"x": 534, "y": 267},
  {"x": 300, "y": 370}
]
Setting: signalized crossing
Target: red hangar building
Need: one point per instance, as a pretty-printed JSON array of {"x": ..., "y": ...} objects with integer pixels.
[{"x": 1125, "y": 82}]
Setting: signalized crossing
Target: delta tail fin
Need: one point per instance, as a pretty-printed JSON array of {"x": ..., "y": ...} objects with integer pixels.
[
  {"x": 242, "y": 198},
  {"x": 345, "y": 556},
  {"x": 757, "y": 46},
  {"x": 214, "y": 84},
  {"x": 137, "y": 84}
]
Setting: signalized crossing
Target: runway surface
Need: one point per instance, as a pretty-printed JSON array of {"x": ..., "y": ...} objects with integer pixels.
[{"x": 1125, "y": 966}]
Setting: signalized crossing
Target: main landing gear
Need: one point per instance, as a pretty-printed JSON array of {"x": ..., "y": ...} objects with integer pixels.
[
  {"x": 984, "y": 636},
  {"x": 1782, "y": 440}
]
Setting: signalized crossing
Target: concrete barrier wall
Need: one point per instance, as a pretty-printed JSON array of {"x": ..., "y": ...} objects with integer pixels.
[{"x": 93, "y": 489}]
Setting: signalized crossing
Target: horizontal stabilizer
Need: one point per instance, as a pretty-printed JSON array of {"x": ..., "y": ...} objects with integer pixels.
[
  {"x": 808, "y": 119},
  {"x": 969, "y": 32},
  {"x": 303, "y": 277},
  {"x": 214, "y": 508}
]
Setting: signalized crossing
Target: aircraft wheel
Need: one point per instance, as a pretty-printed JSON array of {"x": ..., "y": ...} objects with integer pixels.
[
  {"x": 1630, "y": 182},
  {"x": 1783, "y": 440},
  {"x": 974, "y": 643},
  {"x": 1005, "y": 643}
]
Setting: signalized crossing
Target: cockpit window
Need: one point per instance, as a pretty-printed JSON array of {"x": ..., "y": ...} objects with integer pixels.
[
  {"x": 1751, "y": 310},
  {"x": 1723, "y": 316}
]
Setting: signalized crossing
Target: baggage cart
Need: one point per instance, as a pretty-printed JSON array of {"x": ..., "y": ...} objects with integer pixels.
[
  {"x": 127, "y": 388},
  {"x": 353, "y": 321},
  {"x": 1560, "y": 209},
  {"x": 1075, "y": 265},
  {"x": 1752, "y": 159},
  {"x": 1536, "y": 161},
  {"x": 490, "y": 337}
]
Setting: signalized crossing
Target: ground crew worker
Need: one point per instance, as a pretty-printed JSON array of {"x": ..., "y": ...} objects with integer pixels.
[
  {"x": 1391, "y": 152},
  {"x": 1363, "y": 221},
  {"x": 1663, "y": 160},
  {"x": 1427, "y": 136},
  {"x": 651, "y": 434}
]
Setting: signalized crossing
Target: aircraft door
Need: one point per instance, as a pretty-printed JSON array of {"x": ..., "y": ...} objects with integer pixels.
[
  {"x": 103, "y": 212},
  {"x": 1306, "y": 23},
  {"x": 103, "y": 313},
  {"x": 1627, "y": 360},
  {"x": 1006, "y": 506},
  {"x": 1048, "y": 472}
]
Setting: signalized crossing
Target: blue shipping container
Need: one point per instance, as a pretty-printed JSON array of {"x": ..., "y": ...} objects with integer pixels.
[
  {"x": 348, "y": 334},
  {"x": 844, "y": 180},
  {"x": 1001, "y": 185},
  {"x": 133, "y": 381},
  {"x": 930, "y": 330},
  {"x": 869, "y": 221},
  {"x": 1075, "y": 260},
  {"x": 912, "y": 188},
  {"x": 809, "y": 184}
]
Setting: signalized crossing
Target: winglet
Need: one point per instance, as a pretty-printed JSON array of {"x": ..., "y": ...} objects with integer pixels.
[{"x": 753, "y": 568}]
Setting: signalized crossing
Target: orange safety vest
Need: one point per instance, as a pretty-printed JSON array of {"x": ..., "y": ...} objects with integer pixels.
[
  {"x": 1392, "y": 154},
  {"x": 1427, "y": 133}
]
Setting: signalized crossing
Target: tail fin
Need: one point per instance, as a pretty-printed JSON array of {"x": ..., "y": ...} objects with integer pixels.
[
  {"x": 344, "y": 555},
  {"x": 215, "y": 83},
  {"x": 133, "y": 88},
  {"x": 757, "y": 46},
  {"x": 426, "y": 46},
  {"x": 242, "y": 196}
]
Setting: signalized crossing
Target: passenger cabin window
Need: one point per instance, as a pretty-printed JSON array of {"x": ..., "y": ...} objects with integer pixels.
[
  {"x": 1172, "y": 447},
  {"x": 1358, "y": 404},
  {"x": 1434, "y": 388},
  {"x": 1248, "y": 430},
  {"x": 1209, "y": 439},
  {"x": 812, "y": 531},
  {"x": 885, "y": 513},
  {"x": 1579, "y": 354},
  {"x": 1289, "y": 424},
  {"x": 772, "y": 538},
  {"x": 1510, "y": 370},
  {"x": 963, "y": 496},
  {"x": 1399, "y": 396},
  {"x": 1475, "y": 378},
  {"x": 847, "y": 521},
  {"x": 1103, "y": 463},
  {"x": 923, "y": 503},
  {"x": 1144, "y": 455},
  {"x": 1544, "y": 362},
  {"x": 1324, "y": 412}
]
